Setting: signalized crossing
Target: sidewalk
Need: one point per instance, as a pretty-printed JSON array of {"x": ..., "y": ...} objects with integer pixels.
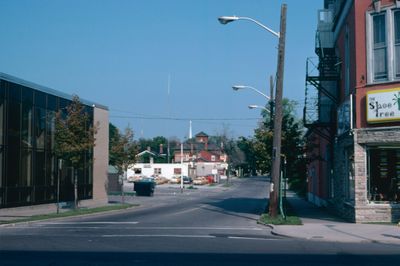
[
  {"x": 20, "y": 213},
  {"x": 318, "y": 224}
]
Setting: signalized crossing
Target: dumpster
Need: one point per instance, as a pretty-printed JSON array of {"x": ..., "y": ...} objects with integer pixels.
[{"x": 144, "y": 187}]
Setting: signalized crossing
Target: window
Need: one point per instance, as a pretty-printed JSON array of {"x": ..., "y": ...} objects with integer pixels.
[
  {"x": 157, "y": 171},
  {"x": 137, "y": 171},
  {"x": 177, "y": 171},
  {"x": 384, "y": 175},
  {"x": 397, "y": 43},
  {"x": 379, "y": 47},
  {"x": 383, "y": 45},
  {"x": 213, "y": 158}
]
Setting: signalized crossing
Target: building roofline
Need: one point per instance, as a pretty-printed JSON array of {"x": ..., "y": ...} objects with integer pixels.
[{"x": 48, "y": 90}]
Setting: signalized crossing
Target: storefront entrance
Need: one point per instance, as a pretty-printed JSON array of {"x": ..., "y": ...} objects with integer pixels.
[{"x": 384, "y": 174}]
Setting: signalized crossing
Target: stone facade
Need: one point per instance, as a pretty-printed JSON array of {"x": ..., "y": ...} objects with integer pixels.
[{"x": 350, "y": 196}]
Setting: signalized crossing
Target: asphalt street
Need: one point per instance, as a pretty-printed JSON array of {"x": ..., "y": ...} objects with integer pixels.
[{"x": 206, "y": 226}]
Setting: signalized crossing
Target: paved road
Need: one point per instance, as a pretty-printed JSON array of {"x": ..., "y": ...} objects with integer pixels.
[{"x": 208, "y": 226}]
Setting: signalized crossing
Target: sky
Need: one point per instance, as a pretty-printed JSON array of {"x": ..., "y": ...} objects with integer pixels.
[{"x": 157, "y": 64}]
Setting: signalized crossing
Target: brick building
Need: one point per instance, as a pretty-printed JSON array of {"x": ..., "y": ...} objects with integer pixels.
[{"x": 352, "y": 110}]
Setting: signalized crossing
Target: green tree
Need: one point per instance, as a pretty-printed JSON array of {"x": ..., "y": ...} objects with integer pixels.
[
  {"x": 123, "y": 150},
  {"x": 112, "y": 134},
  {"x": 74, "y": 137},
  {"x": 248, "y": 163},
  {"x": 292, "y": 144}
]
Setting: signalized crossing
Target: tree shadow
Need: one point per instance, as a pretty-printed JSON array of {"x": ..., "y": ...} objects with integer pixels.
[{"x": 242, "y": 205}]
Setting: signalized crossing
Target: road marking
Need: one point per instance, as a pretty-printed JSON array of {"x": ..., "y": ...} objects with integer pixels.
[
  {"x": 188, "y": 210},
  {"x": 69, "y": 223},
  {"x": 252, "y": 238},
  {"x": 198, "y": 228},
  {"x": 175, "y": 236}
]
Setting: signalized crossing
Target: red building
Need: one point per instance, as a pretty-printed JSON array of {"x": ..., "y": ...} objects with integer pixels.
[
  {"x": 352, "y": 110},
  {"x": 205, "y": 158}
]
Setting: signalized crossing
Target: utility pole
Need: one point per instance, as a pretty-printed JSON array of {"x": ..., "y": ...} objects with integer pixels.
[
  {"x": 276, "y": 148},
  {"x": 271, "y": 102}
]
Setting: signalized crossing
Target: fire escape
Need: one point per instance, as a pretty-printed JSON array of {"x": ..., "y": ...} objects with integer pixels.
[{"x": 322, "y": 81}]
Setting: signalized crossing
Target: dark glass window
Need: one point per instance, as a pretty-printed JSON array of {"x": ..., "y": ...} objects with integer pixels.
[
  {"x": 50, "y": 169},
  {"x": 27, "y": 95},
  {"x": 40, "y": 168},
  {"x": 26, "y": 167},
  {"x": 64, "y": 103},
  {"x": 52, "y": 103},
  {"x": 50, "y": 130},
  {"x": 40, "y": 127},
  {"x": 27, "y": 125},
  {"x": 2, "y": 89},
  {"x": 13, "y": 170},
  {"x": 40, "y": 99},
  {"x": 2, "y": 124},
  {"x": 14, "y": 121},
  {"x": 14, "y": 91}
]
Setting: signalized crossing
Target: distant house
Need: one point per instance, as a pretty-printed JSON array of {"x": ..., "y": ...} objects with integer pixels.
[
  {"x": 149, "y": 156},
  {"x": 200, "y": 158},
  {"x": 204, "y": 158}
]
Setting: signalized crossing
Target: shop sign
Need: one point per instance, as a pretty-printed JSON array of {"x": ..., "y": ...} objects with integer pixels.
[{"x": 383, "y": 106}]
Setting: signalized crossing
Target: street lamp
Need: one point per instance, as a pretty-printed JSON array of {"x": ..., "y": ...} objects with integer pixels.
[
  {"x": 241, "y": 87},
  {"x": 227, "y": 19},
  {"x": 253, "y": 106},
  {"x": 276, "y": 143}
]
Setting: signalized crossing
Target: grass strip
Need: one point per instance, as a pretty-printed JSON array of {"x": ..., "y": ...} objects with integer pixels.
[
  {"x": 70, "y": 213},
  {"x": 290, "y": 219}
]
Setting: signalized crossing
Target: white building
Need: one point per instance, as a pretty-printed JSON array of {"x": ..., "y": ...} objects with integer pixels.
[{"x": 158, "y": 169}]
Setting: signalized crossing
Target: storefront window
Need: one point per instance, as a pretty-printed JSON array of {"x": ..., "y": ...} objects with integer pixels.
[{"x": 384, "y": 175}]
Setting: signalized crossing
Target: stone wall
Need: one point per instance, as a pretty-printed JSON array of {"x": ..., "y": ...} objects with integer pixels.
[{"x": 366, "y": 211}]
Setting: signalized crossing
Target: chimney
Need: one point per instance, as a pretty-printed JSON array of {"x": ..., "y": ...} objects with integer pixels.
[
  {"x": 148, "y": 148},
  {"x": 161, "y": 149}
]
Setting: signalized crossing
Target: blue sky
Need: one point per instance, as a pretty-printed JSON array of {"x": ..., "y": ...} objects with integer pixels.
[{"x": 121, "y": 53}]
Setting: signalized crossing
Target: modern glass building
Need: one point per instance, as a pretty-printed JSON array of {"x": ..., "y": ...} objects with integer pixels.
[{"x": 29, "y": 169}]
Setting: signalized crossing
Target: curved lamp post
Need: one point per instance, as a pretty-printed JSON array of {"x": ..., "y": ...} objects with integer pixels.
[
  {"x": 227, "y": 19},
  {"x": 253, "y": 106},
  {"x": 276, "y": 151},
  {"x": 241, "y": 87}
]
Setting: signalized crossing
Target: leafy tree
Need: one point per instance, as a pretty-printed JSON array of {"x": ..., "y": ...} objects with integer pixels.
[
  {"x": 154, "y": 145},
  {"x": 248, "y": 163},
  {"x": 292, "y": 144},
  {"x": 112, "y": 133},
  {"x": 123, "y": 149},
  {"x": 74, "y": 136}
]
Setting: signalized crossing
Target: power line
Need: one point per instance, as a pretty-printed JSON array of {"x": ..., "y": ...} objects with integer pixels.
[{"x": 184, "y": 118}]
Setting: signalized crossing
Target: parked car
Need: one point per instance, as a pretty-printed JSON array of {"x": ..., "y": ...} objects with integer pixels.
[
  {"x": 160, "y": 180},
  {"x": 187, "y": 180},
  {"x": 175, "y": 180},
  {"x": 200, "y": 181}
]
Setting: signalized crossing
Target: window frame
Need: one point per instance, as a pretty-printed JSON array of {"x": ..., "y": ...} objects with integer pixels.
[{"x": 390, "y": 45}]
